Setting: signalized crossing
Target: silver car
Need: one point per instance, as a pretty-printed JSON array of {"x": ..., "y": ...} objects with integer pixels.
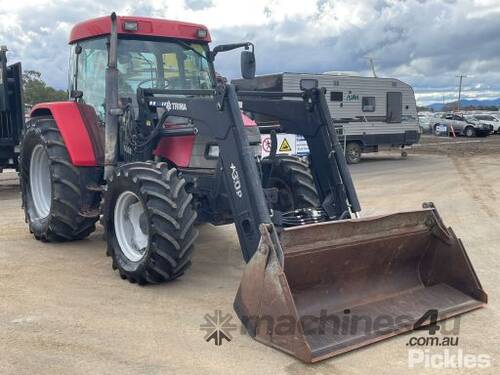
[
  {"x": 488, "y": 119},
  {"x": 461, "y": 125}
]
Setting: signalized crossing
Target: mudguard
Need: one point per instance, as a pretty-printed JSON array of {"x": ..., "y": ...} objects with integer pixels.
[{"x": 79, "y": 128}]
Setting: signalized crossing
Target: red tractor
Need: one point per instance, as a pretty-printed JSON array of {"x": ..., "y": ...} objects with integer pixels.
[{"x": 152, "y": 143}]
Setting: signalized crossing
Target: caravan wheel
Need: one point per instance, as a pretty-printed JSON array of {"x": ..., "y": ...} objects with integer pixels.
[{"x": 353, "y": 153}]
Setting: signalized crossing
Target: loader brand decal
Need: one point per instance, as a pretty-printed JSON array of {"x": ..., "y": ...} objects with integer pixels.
[
  {"x": 169, "y": 106},
  {"x": 285, "y": 146},
  {"x": 218, "y": 327},
  {"x": 236, "y": 180}
]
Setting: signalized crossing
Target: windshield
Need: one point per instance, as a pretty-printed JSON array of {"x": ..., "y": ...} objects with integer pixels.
[
  {"x": 485, "y": 118},
  {"x": 162, "y": 65}
]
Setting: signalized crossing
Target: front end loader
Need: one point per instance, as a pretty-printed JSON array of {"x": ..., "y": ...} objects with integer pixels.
[{"x": 154, "y": 144}]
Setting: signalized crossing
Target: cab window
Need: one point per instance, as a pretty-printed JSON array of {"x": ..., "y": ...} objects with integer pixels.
[
  {"x": 91, "y": 68},
  {"x": 162, "y": 64}
]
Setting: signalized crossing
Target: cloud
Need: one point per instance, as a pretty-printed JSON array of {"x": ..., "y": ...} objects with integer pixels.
[
  {"x": 199, "y": 4},
  {"x": 425, "y": 43}
]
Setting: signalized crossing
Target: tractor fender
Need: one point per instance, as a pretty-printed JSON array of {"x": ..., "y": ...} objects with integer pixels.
[{"x": 79, "y": 128}]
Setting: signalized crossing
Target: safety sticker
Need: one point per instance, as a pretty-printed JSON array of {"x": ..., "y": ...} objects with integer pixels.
[{"x": 285, "y": 146}]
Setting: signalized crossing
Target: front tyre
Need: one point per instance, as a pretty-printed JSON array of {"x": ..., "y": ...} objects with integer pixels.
[
  {"x": 149, "y": 222},
  {"x": 470, "y": 132},
  {"x": 57, "y": 204},
  {"x": 293, "y": 180}
]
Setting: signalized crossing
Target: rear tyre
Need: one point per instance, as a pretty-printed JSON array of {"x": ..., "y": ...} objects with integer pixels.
[
  {"x": 353, "y": 153},
  {"x": 149, "y": 222},
  {"x": 292, "y": 178},
  {"x": 57, "y": 204}
]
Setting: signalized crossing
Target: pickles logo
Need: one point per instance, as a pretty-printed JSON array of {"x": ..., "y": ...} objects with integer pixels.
[{"x": 218, "y": 327}]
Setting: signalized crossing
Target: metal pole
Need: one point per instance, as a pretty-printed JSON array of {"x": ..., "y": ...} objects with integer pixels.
[
  {"x": 461, "y": 76},
  {"x": 345, "y": 138}
]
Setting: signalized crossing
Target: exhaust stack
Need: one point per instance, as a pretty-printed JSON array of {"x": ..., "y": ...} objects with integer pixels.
[{"x": 112, "y": 110}]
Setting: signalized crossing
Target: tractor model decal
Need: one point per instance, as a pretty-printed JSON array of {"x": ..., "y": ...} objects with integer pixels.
[{"x": 236, "y": 180}]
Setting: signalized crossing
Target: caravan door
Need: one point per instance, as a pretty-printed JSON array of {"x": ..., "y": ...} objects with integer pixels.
[{"x": 394, "y": 107}]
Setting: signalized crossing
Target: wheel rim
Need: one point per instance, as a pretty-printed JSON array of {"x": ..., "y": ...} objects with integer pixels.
[
  {"x": 40, "y": 181},
  {"x": 130, "y": 226},
  {"x": 353, "y": 154}
]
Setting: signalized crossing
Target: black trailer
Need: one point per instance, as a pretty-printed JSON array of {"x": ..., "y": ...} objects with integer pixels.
[{"x": 11, "y": 111}]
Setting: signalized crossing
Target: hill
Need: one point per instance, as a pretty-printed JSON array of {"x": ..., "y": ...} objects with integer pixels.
[{"x": 465, "y": 103}]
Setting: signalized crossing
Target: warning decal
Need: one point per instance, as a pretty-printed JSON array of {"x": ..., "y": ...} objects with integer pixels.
[
  {"x": 285, "y": 146},
  {"x": 266, "y": 144}
]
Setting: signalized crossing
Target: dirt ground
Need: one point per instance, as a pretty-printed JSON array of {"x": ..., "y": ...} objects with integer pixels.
[
  {"x": 64, "y": 311},
  {"x": 459, "y": 146}
]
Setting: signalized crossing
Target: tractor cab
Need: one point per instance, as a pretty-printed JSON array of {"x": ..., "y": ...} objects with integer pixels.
[
  {"x": 151, "y": 54},
  {"x": 149, "y": 58}
]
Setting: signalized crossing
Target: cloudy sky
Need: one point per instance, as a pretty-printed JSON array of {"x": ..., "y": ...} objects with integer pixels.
[{"x": 426, "y": 43}]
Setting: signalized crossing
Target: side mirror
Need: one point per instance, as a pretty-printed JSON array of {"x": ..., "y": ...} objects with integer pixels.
[
  {"x": 76, "y": 94},
  {"x": 247, "y": 64}
]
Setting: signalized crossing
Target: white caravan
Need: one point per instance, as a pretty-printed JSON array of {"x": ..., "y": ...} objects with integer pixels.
[{"x": 371, "y": 112}]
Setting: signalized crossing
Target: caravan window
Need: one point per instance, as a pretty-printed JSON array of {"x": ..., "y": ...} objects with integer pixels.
[
  {"x": 336, "y": 96},
  {"x": 368, "y": 104}
]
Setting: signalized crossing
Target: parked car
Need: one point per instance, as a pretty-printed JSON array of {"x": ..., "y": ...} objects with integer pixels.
[
  {"x": 488, "y": 119},
  {"x": 426, "y": 122},
  {"x": 468, "y": 127}
]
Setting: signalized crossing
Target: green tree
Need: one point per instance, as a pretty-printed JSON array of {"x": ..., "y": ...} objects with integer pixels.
[{"x": 37, "y": 91}]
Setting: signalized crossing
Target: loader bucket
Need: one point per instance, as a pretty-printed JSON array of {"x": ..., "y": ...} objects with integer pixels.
[{"x": 319, "y": 290}]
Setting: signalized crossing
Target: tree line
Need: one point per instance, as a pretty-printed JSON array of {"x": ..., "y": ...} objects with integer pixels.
[{"x": 37, "y": 91}]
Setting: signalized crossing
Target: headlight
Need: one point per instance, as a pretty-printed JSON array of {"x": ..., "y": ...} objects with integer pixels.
[{"x": 212, "y": 151}]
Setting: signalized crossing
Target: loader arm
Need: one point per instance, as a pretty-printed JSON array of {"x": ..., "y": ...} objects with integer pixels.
[
  {"x": 218, "y": 115},
  {"x": 307, "y": 114}
]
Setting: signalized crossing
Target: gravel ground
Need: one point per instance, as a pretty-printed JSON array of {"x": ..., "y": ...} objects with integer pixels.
[{"x": 64, "y": 311}]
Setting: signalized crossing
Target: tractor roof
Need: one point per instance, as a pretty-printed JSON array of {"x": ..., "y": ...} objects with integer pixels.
[{"x": 152, "y": 27}]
